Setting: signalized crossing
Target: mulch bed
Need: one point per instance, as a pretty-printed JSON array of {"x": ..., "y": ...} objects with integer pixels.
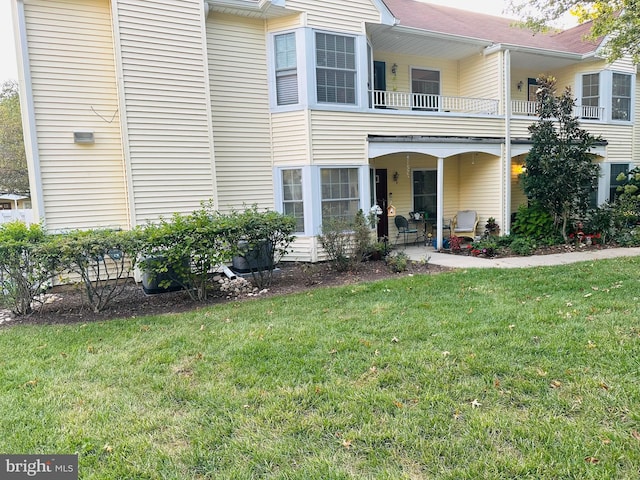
[{"x": 65, "y": 304}]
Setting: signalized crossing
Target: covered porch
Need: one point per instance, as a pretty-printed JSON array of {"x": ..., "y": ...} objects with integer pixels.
[{"x": 438, "y": 177}]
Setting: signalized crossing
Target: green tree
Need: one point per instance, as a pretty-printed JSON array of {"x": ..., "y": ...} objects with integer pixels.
[
  {"x": 560, "y": 174},
  {"x": 616, "y": 20},
  {"x": 14, "y": 176}
]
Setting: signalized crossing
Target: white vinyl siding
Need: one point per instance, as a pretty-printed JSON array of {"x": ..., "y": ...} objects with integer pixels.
[
  {"x": 237, "y": 49},
  {"x": 164, "y": 103},
  {"x": 70, "y": 50},
  {"x": 342, "y": 15}
]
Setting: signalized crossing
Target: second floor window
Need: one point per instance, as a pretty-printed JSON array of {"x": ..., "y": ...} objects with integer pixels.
[
  {"x": 335, "y": 69},
  {"x": 286, "y": 69},
  {"x": 591, "y": 90},
  {"x": 621, "y": 97}
]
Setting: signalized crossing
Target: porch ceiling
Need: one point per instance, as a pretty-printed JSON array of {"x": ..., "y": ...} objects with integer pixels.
[{"x": 408, "y": 41}]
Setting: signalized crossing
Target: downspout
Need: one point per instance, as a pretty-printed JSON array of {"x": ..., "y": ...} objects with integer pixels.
[
  {"x": 507, "y": 142},
  {"x": 27, "y": 109}
]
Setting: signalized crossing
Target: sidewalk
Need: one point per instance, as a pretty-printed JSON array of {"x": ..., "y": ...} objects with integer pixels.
[{"x": 467, "y": 261}]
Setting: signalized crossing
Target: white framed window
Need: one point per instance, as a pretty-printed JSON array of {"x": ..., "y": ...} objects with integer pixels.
[
  {"x": 336, "y": 68},
  {"x": 286, "y": 69},
  {"x": 621, "y": 97},
  {"x": 292, "y": 196},
  {"x": 590, "y": 95},
  {"x": 340, "y": 193}
]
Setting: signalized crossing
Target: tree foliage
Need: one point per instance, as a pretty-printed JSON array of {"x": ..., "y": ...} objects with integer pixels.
[
  {"x": 14, "y": 177},
  {"x": 560, "y": 175},
  {"x": 616, "y": 20}
]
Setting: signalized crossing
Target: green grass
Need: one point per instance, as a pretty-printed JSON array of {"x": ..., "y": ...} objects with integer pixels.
[{"x": 528, "y": 374}]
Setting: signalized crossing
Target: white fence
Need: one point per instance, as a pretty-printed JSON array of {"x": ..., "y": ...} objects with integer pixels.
[{"x": 23, "y": 214}]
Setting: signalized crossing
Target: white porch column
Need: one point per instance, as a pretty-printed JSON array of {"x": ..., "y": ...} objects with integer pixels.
[{"x": 440, "y": 203}]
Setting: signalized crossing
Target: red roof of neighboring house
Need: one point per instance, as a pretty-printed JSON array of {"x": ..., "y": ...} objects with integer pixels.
[{"x": 447, "y": 20}]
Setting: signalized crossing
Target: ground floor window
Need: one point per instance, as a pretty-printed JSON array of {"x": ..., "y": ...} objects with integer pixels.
[
  {"x": 340, "y": 193},
  {"x": 292, "y": 198},
  {"x": 616, "y": 169}
]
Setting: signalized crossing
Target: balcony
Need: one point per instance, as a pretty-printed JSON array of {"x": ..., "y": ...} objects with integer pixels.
[
  {"x": 584, "y": 112},
  {"x": 433, "y": 103}
]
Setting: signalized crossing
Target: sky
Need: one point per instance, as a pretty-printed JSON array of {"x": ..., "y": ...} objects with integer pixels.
[{"x": 9, "y": 69}]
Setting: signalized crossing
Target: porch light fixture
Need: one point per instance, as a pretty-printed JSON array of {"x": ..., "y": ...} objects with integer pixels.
[
  {"x": 394, "y": 68},
  {"x": 395, "y": 177},
  {"x": 520, "y": 84}
]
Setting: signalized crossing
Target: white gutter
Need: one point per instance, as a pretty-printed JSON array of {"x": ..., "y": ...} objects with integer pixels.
[
  {"x": 27, "y": 108},
  {"x": 507, "y": 143}
]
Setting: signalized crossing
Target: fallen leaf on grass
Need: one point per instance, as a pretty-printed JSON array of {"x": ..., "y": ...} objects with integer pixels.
[
  {"x": 31, "y": 383},
  {"x": 541, "y": 372},
  {"x": 395, "y": 340},
  {"x": 202, "y": 327},
  {"x": 555, "y": 384},
  {"x": 635, "y": 435},
  {"x": 346, "y": 444},
  {"x": 475, "y": 403},
  {"x": 591, "y": 460},
  {"x": 398, "y": 404},
  {"x": 604, "y": 386},
  {"x": 107, "y": 448}
]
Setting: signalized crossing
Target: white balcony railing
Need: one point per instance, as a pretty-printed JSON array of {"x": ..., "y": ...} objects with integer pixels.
[
  {"x": 521, "y": 107},
  {"x": 433, "y": 103}
]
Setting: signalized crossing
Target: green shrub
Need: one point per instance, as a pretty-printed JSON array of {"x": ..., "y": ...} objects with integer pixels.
[
  {"x": 25, "y": 266},
  {"x": 255, "y": 235},
  {"x": 348, "y": 242},
  {"x": 533, "y": 222},
  {"x": 104, "y": 260},
  {"x": 398, "y": 262},
  {"x": 189, "y": 247},
  {"x": 522, "y": 246},
  {"x": 336, "y": 241}
]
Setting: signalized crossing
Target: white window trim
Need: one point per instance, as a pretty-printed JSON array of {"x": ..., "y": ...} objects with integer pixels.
[
  {"x": 307, "y": 196},
  {"x": 605, "y": 93},
  {"x": 301, "y": 67},
  {"x": 362, "y": 93}
]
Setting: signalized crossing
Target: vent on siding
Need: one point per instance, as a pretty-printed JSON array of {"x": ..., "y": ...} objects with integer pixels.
[{"x": 83, "y": 136}]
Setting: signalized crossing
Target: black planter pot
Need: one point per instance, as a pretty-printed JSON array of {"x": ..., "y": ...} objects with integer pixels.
[
  {"x": 169, "y": 281},
  {"x": 253, "y": 260}
]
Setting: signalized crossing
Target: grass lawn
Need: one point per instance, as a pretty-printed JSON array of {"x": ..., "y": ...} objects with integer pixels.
[{"x": 484, "y": 374}]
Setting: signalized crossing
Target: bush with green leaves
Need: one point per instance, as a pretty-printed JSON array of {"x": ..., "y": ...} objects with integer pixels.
[
  {"x": 188, "y": 248},
  {"x": 522, "y": 246},
  {"x": 398, "y": 262},
  {"x": 26, "y": 267},
  {"x": 336, "y": 241},
  {"x": 103, "y": 259},
  {"x": 258, "y": 236},
  {"x": 349, "y": 242},
  {"x": 534, "y": 222}
]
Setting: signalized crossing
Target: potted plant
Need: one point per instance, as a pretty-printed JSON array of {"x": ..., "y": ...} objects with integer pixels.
[{"x": 491, "y": 227}]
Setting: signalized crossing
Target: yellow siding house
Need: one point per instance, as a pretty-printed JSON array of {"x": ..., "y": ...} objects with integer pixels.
[{"x": 139, "y": 109}]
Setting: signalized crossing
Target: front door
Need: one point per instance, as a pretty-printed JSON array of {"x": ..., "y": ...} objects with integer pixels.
[{"x": 382, "y": 202}]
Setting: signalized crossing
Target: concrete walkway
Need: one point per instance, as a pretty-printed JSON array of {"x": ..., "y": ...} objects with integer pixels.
[{"x": 464, "y": 261}]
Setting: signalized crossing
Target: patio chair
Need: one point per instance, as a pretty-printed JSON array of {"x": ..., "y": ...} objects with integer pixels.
[
  {"x": 402, "y": 224},
  {"x": 464, "y": 224}
]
